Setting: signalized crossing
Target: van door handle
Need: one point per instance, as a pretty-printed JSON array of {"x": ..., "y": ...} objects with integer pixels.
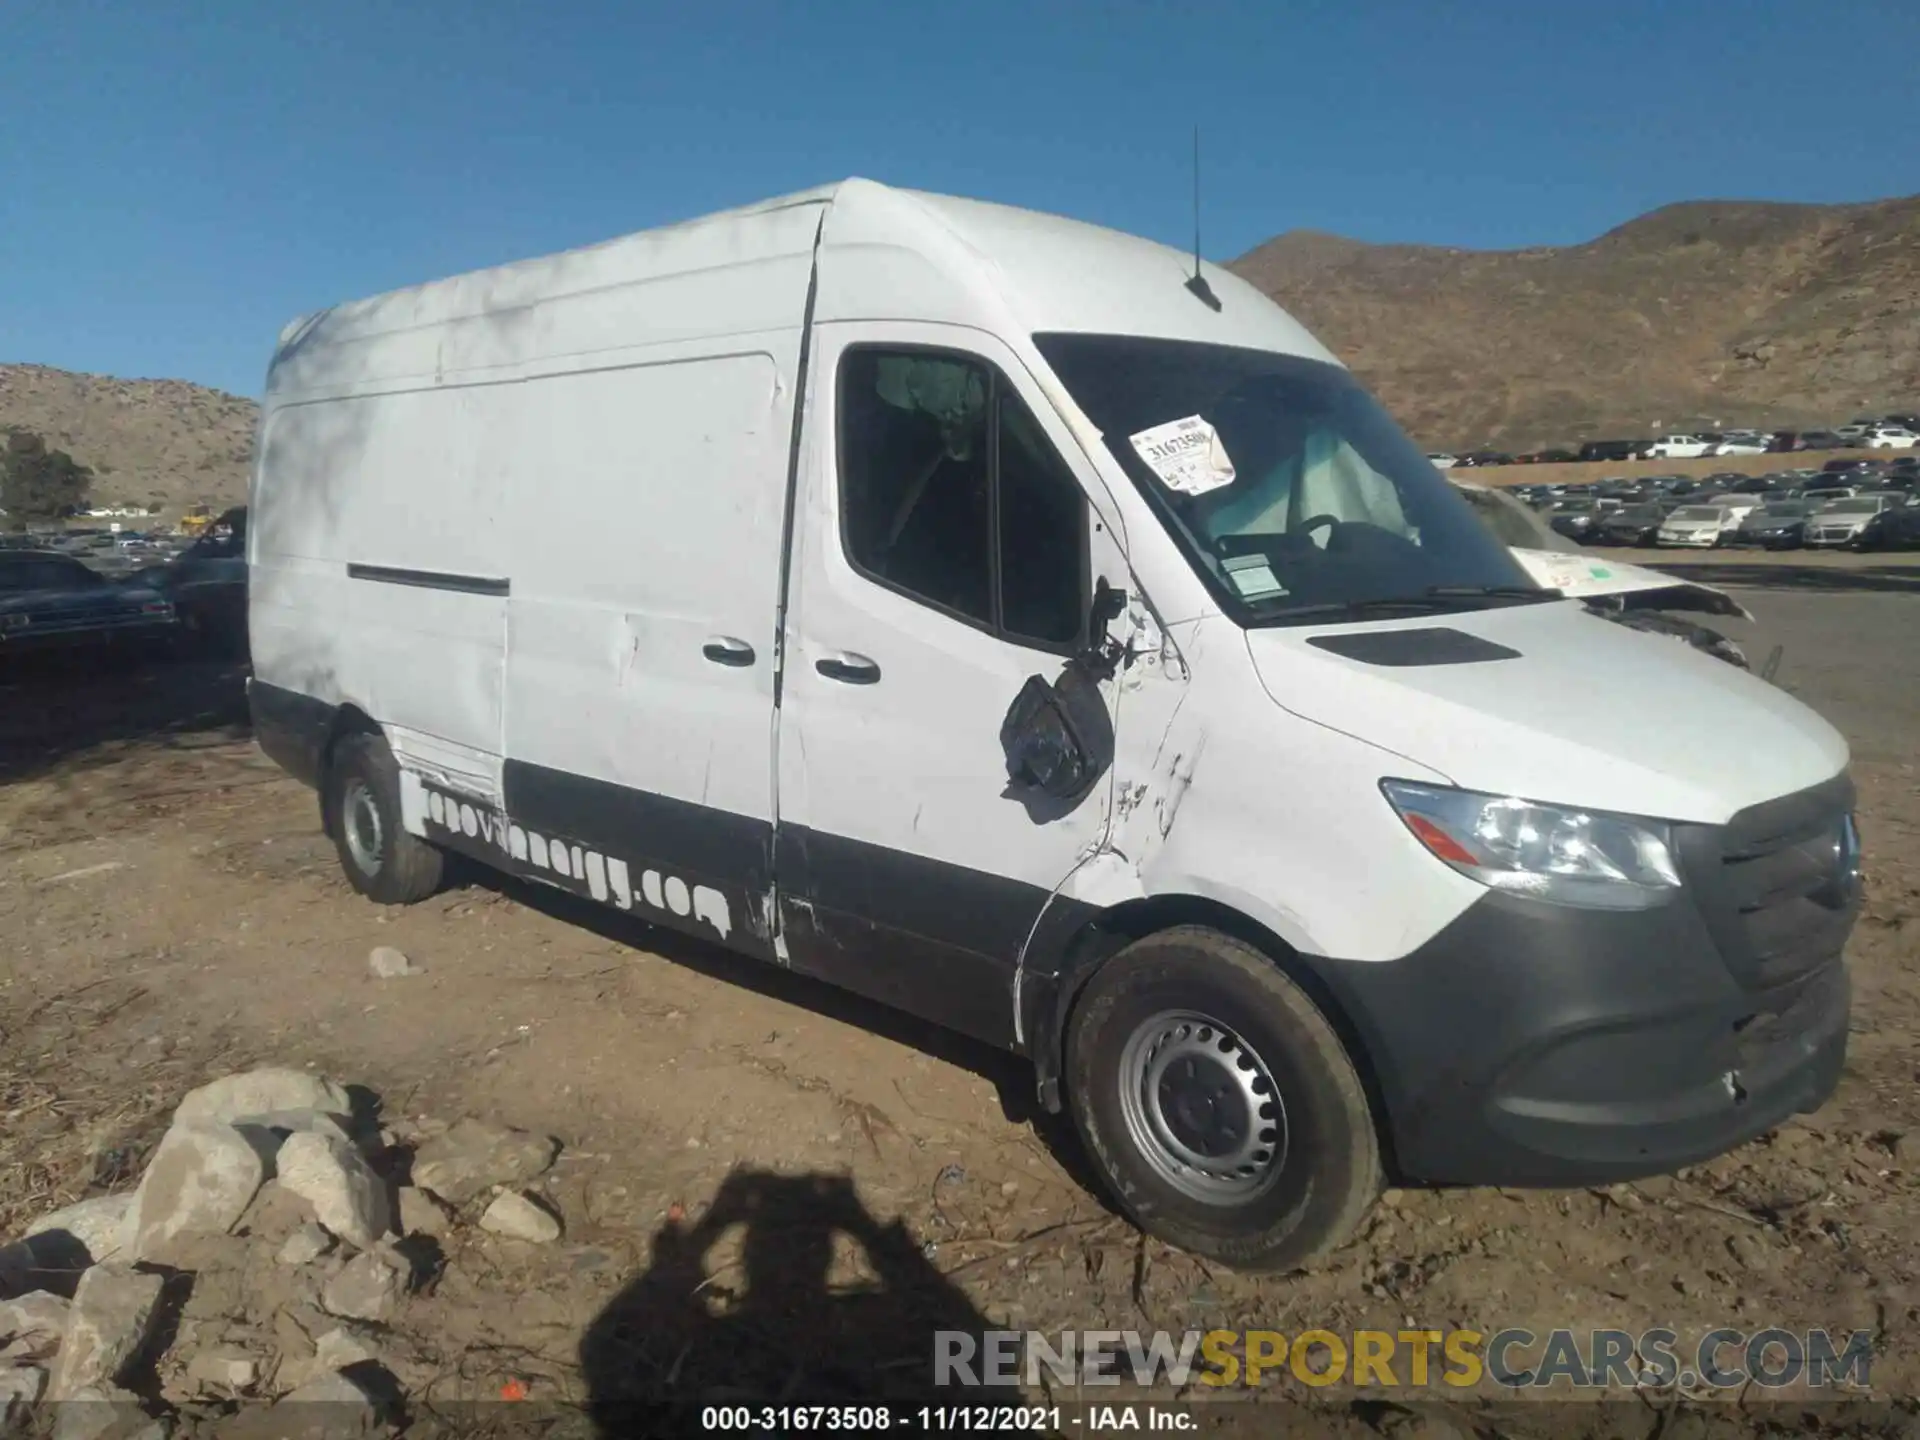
[
  {"x": 849, "y": 669},
  {"x": 725, "y": 650}
]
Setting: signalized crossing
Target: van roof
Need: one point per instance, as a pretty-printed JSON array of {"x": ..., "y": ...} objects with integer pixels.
[{"x": 885, "y": 254}]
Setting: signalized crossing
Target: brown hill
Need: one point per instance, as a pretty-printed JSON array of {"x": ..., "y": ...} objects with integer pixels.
[
  {"x": 144, "y": 439},
  {"x": 1713, "y": 311}
]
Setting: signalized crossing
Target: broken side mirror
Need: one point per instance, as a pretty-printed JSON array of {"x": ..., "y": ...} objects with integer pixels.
[
  {"x": 1058, "y": 738},
  {"x": 1103, "y": 655}
]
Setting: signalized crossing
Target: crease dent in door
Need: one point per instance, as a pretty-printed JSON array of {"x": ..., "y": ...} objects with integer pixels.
[{"x": 788, "y": 522}]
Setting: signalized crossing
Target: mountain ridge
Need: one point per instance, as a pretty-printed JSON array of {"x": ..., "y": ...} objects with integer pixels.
[{"x": 1771, "y": 313}]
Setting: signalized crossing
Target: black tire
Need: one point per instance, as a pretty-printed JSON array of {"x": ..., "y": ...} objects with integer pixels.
[
  {"x": 362, "y": 805},
  {"x": 1324, "y": 1170}
]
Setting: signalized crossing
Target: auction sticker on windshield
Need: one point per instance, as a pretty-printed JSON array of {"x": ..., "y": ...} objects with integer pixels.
[{"x": 1186, "y": 454}]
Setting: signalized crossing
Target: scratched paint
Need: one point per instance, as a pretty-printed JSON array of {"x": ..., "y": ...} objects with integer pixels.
[{"x": 605, "y": 878}]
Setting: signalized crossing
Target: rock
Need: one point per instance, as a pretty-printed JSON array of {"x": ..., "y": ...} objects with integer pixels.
[
  {"x": 276, "y": 1213},
  {"x": 20, "y": 1385},
  {"x": 107, "y": 1327},
  {"x": 31, "y": 1325},
  {"x": 347, "y": 1197},
  {"x": 98, "y": 1224},
  {"x": 224, "y": 1370},
  {"x": 329, "y": 1407},
  {"x": 368, "y": 1287},
  {"x": 421, "y": 1213},
  {"x": 258, "y": 1094},
  {"x": 339, "y": 1348},
  {"x": 519, "y": 1218},
  {"x": 1751, "y": 1252},
  {"x": 106, "y": 1412},
  {"x": 474, "y": 1156},
  {"x": 200, "y": 1181},
  {"x": 342, "y": 1349},
  {"x": 305, "y": 1245},
  {"x": 387, "y": 963}
]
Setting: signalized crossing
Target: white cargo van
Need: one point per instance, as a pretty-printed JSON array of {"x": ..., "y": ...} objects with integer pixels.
[{"x": 977, "y": 610}]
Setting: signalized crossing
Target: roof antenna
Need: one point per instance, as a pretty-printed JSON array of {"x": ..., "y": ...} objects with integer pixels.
[{"x": 1198, "y": 283}]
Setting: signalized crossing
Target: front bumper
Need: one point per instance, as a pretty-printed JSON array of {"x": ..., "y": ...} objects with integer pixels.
[
  {"x": 1533, "y": 1044},
  {"x": 1704, "y": 540},
  {"x": 1831, "y": 539}
]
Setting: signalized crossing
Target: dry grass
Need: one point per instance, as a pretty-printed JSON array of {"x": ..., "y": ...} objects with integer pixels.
[{"x": 74, "y": 1121}]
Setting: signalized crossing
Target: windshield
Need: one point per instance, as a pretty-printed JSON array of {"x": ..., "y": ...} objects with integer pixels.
[
  {"x": 1696, "y": 512},
  {"x": 1284, "y": 483},
  {"x": 1793, "y": 511},
  {"x": 1853, "y": 507},
  {"x": 1514, "y": 522},
  {"x": 1639, "y": 512}
]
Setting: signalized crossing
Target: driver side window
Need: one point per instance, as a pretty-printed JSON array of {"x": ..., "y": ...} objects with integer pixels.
[{"x": 951, "y": 494}]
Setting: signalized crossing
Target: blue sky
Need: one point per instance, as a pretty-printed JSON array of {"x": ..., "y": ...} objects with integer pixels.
[{"x": 177, "y": 180}]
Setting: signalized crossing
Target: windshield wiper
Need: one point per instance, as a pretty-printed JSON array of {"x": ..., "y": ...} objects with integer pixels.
[
  {"x": 1495, "y": 592},
  {"x": 1436, "y": 598}
]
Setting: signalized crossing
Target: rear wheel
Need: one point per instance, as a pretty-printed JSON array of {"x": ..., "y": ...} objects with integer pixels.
[
  {"x": 1219, "y": 1104},
  {"x": 382, "y": 860}
]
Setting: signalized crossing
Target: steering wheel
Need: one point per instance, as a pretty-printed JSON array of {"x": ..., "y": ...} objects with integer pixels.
[{"x": 1330, "y": 523}]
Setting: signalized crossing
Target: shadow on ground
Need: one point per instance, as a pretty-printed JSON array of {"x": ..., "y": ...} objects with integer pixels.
[
  {"x": 1010, "y": 1075},
  {"x": 825, "y": 1305},
  {"x": 54, "y": 709}
]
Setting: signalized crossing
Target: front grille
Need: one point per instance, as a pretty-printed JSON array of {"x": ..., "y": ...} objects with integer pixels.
[{"x": 1775, "y": 890}]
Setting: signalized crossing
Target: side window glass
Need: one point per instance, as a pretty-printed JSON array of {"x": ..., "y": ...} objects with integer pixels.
[
  {"x": 1042, "y": 533},
  {"x": 914, "y": 473},
  {"x": 952, "y": 493}
]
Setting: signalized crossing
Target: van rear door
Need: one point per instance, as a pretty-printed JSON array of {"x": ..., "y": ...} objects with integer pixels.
[{"x": 647, "y": 533}]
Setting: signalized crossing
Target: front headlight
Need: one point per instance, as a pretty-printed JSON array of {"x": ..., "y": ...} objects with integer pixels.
[{"x": 1549, "y": 852}]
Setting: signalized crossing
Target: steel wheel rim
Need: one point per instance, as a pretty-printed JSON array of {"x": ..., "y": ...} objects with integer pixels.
[
  {"x": 1202, "y": 1108},
  {"x": 361, "y": 824}
]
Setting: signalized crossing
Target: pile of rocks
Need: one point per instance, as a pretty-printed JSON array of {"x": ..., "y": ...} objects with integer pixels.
[{"x": 263, "y": 1261}]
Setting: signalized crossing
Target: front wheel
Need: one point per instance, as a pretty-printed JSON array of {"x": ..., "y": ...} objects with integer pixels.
[
  {"x": 1219, "y": 1104},
  {"x": 383, "y": 861}
]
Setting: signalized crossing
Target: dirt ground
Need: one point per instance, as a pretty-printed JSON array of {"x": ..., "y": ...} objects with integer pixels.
[{"x": 767, "y": 1184}]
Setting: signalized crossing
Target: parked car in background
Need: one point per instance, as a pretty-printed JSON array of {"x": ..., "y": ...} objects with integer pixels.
[
  {"x": 1841, "y": 522},
  {"x": 207, "y": 583},
  {"x": 1889, "y": 437},
  {"x": 1854, "y": 431},
  {"x": 1640, "y": 599},
  {"x": 1897, "y": 527},
  {"x": 1819, "y": 495},
  {"x": 1612, "y": 450},
  {"x": 50, "y": 601},
  {"x": 1679, "y": 447},
  {"x": 1783, "y": 442},
  {"x": 1574, "y": 519},
  {"x": 1698, "y": 526},
  {"x": 1637, "y": 524},
  {"x": 1821, "y": 440},
  {"x": 1741, "y": 442},
  {"x": 1776, "y": 525}
]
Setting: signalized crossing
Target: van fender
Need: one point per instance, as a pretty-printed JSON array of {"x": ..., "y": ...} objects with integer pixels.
[{"x": 1102, "y": 908}]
